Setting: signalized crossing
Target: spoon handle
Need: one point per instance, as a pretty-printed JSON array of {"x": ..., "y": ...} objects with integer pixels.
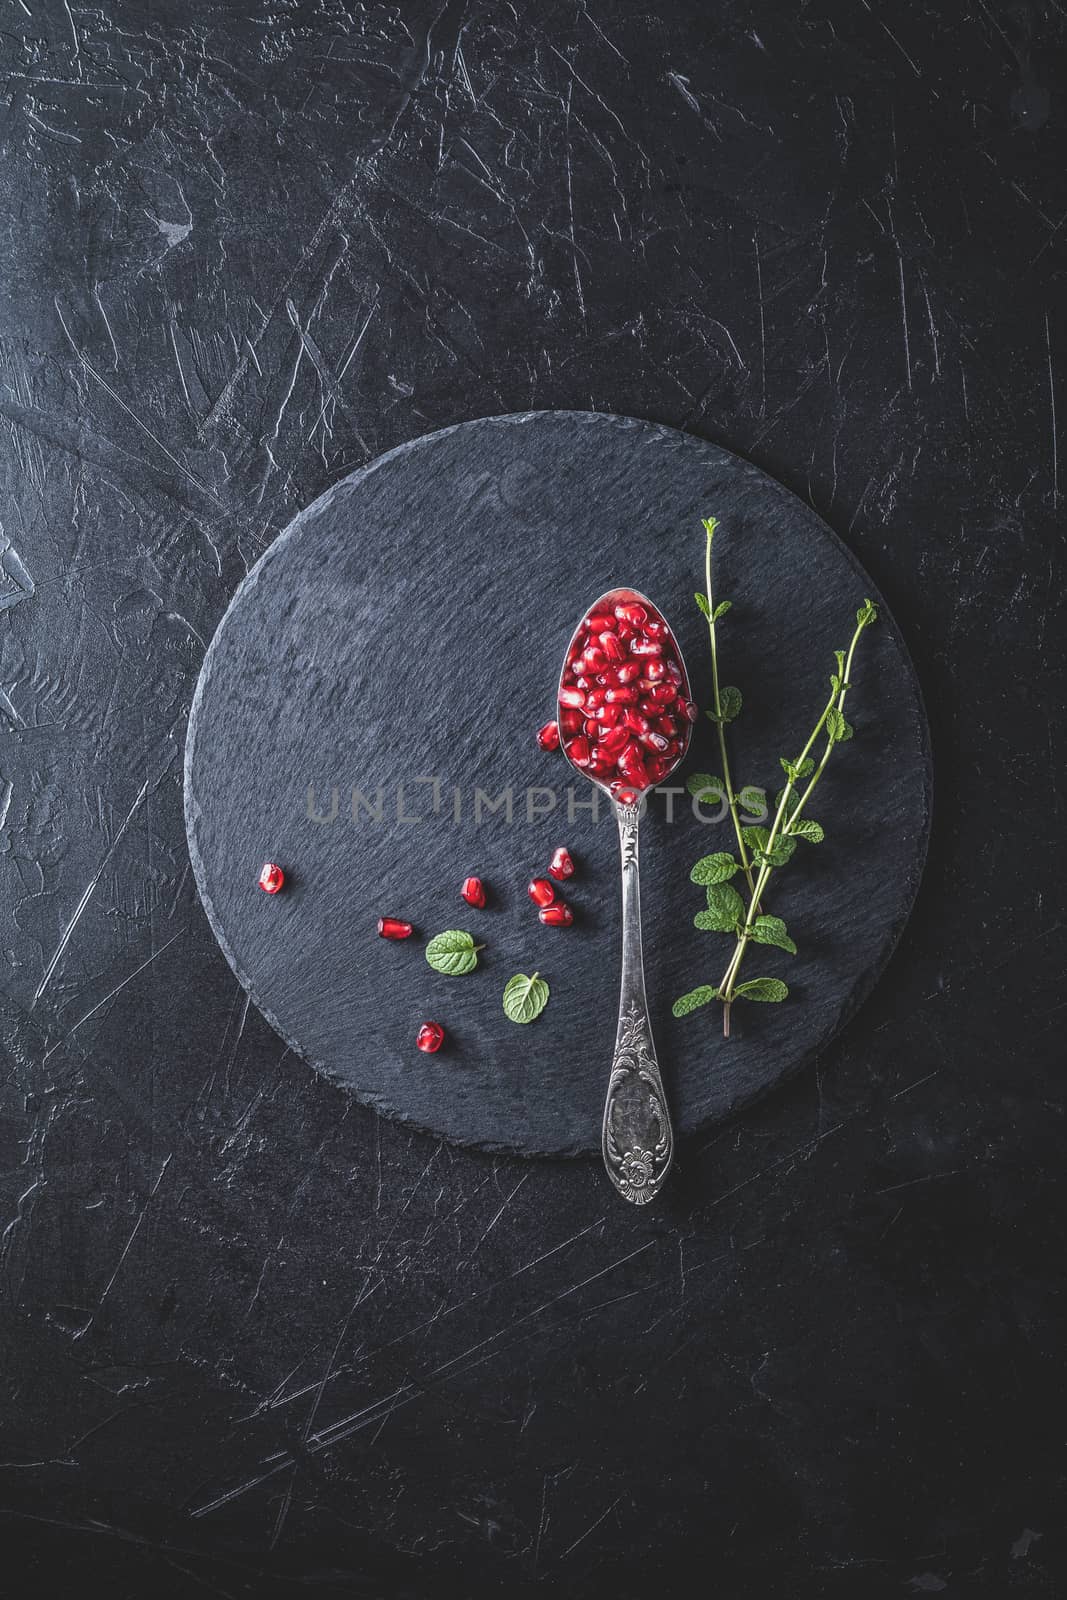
[{"x": 638, "y": 1141}]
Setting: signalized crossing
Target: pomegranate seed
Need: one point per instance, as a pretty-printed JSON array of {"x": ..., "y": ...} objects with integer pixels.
[
  {"x": 662, "y": 693},
  {"x": 636, "y": 721},
  {"x": 540, "y": 891},
  {"x": 668, "y": 726},
  {"x": 655, "y": 671},
  {"x": 594, "y": 659},
  {"x": 594, "y": 698},
  {"x": 583, "y": 683},
  {"x": 570, "y": 720},
  {"x": 548, "y": 736},
  {"x": 624, "y": 795},
  {"x": 659, "y": 767},
  {"x": 578, "y": 750},
  {"x": 674, "y": 673},
  {"x": 611, "y": 645},
  {"x": 656, "y": 741},
  {"x": 598, "y": 621},
  {"x": 621, "y": 697},
  {"x": 557, "y": 916},
  {"x": 271, "y": 878},
  {"x": 646, "y": 647},
  {"x": 632, "y": 612},
  {"x": 657, "y": 630},
  {"x": 614, "y": 740},
  {"x": 430, "y": 1037},
  {"x": 608, "y": 715},
  {"x": 569, "y": 696},
  {"x": 590, "y": 727},
  {"x": 691, "y": 710},
  {"x": 473, "y": 891},
  {"x": 393, "y": 928},
  {"x": 562, "y": 864}
]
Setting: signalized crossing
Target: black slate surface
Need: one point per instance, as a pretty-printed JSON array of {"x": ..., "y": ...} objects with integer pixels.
[
  {"x": 257, "y": 1340},
  {"x": 372, "y": 694}
]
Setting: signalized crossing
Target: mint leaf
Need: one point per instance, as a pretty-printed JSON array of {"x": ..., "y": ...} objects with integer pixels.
[
  {"x": 725, "y": 909},
  {"x": 715, "y": 868},
  {"x": 838, "y": 730},
  {"x": 807, "y": 829},
  {"x": 753, "y": 800},
  {"x": 867, "y": 613},
  {"x": 791, "y": 799},
  {"x": 453, "y": 953},
  {"x": 762, "y": 989},
  {"x": 721, "y": 609},
  {"x": 694, "y": 1000},
  {"x": 702, "y": 602},
  {"x": 710, "y": 524},
  {"x": 729, "y": 702},
  {"x": 758, "y": 840},
  {"x": 705, "y": 786},
  {"x": 772, "y": 930},
  {"x": 525, "y": 998}
]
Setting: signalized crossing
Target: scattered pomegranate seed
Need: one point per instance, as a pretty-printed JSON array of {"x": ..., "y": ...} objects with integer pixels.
[
  {"x": 562, "y": 864},
  {"x": 548, "y": 736},
  {"x": 473, "y": 891},
  {"x": 393, "y": 928},
  {"x": 430, "y": 1037},
  {"x": 541, "y": 891},
  {"x": 271, "y": 878},
  {"x": 558, "y": 916}
]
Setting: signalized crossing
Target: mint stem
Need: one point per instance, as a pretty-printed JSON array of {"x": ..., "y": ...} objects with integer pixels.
[
  {"x": 710, "y": 525},
  {"x": 781, "y": 828}
]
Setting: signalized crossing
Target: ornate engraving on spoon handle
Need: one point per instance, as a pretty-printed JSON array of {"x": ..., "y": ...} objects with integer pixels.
[{"x": 638, "y": 1141}]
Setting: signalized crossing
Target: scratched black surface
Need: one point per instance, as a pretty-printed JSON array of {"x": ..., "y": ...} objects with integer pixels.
[
  {"x": 257, "y": 1341},
  {"x": 413, "y": 622}
]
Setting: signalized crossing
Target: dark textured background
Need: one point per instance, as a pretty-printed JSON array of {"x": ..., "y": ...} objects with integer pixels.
[{"x": 256, "y": 1341}]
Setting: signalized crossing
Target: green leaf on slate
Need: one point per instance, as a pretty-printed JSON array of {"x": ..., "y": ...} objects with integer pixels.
[
  {"x": 810, "y": 830},
  {"x": 702, "y": 602},
  {"x": 762, "y": 989},
  {"x": 694, "y": 1000},
  {"x": 867, "y": 613},
  {"x": 772, "y": 930},
  {"x": 725, "y": 909},
  {"x": 837, "y": 728},
  {"x": 453, "y": 952},
  {"x": 525, "y": 998},
  {"x": 753, "y": 800},
  {"x": 721, "y": 609},
  {"x": 758, "y": 840},
  {"x": 839, "y": 657},
  {"x": 791, "y": 799},
  {"x": 705, "y": 786},
  {"x": 730, "y": 702},
  {"x": 715, "y": 868}
]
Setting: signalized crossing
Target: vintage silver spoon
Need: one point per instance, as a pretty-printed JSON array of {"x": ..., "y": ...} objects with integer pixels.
[{"x": 619, "y": 664}]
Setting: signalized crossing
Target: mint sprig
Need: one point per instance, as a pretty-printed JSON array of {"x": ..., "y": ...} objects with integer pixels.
[{"x": 762, "y": 850}]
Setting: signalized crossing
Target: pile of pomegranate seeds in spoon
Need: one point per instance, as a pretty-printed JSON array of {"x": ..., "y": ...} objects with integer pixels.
[{"x": 624, "y": 705}]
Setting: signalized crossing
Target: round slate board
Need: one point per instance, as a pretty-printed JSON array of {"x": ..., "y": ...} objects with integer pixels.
[{"x": 394, "y": 652}]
